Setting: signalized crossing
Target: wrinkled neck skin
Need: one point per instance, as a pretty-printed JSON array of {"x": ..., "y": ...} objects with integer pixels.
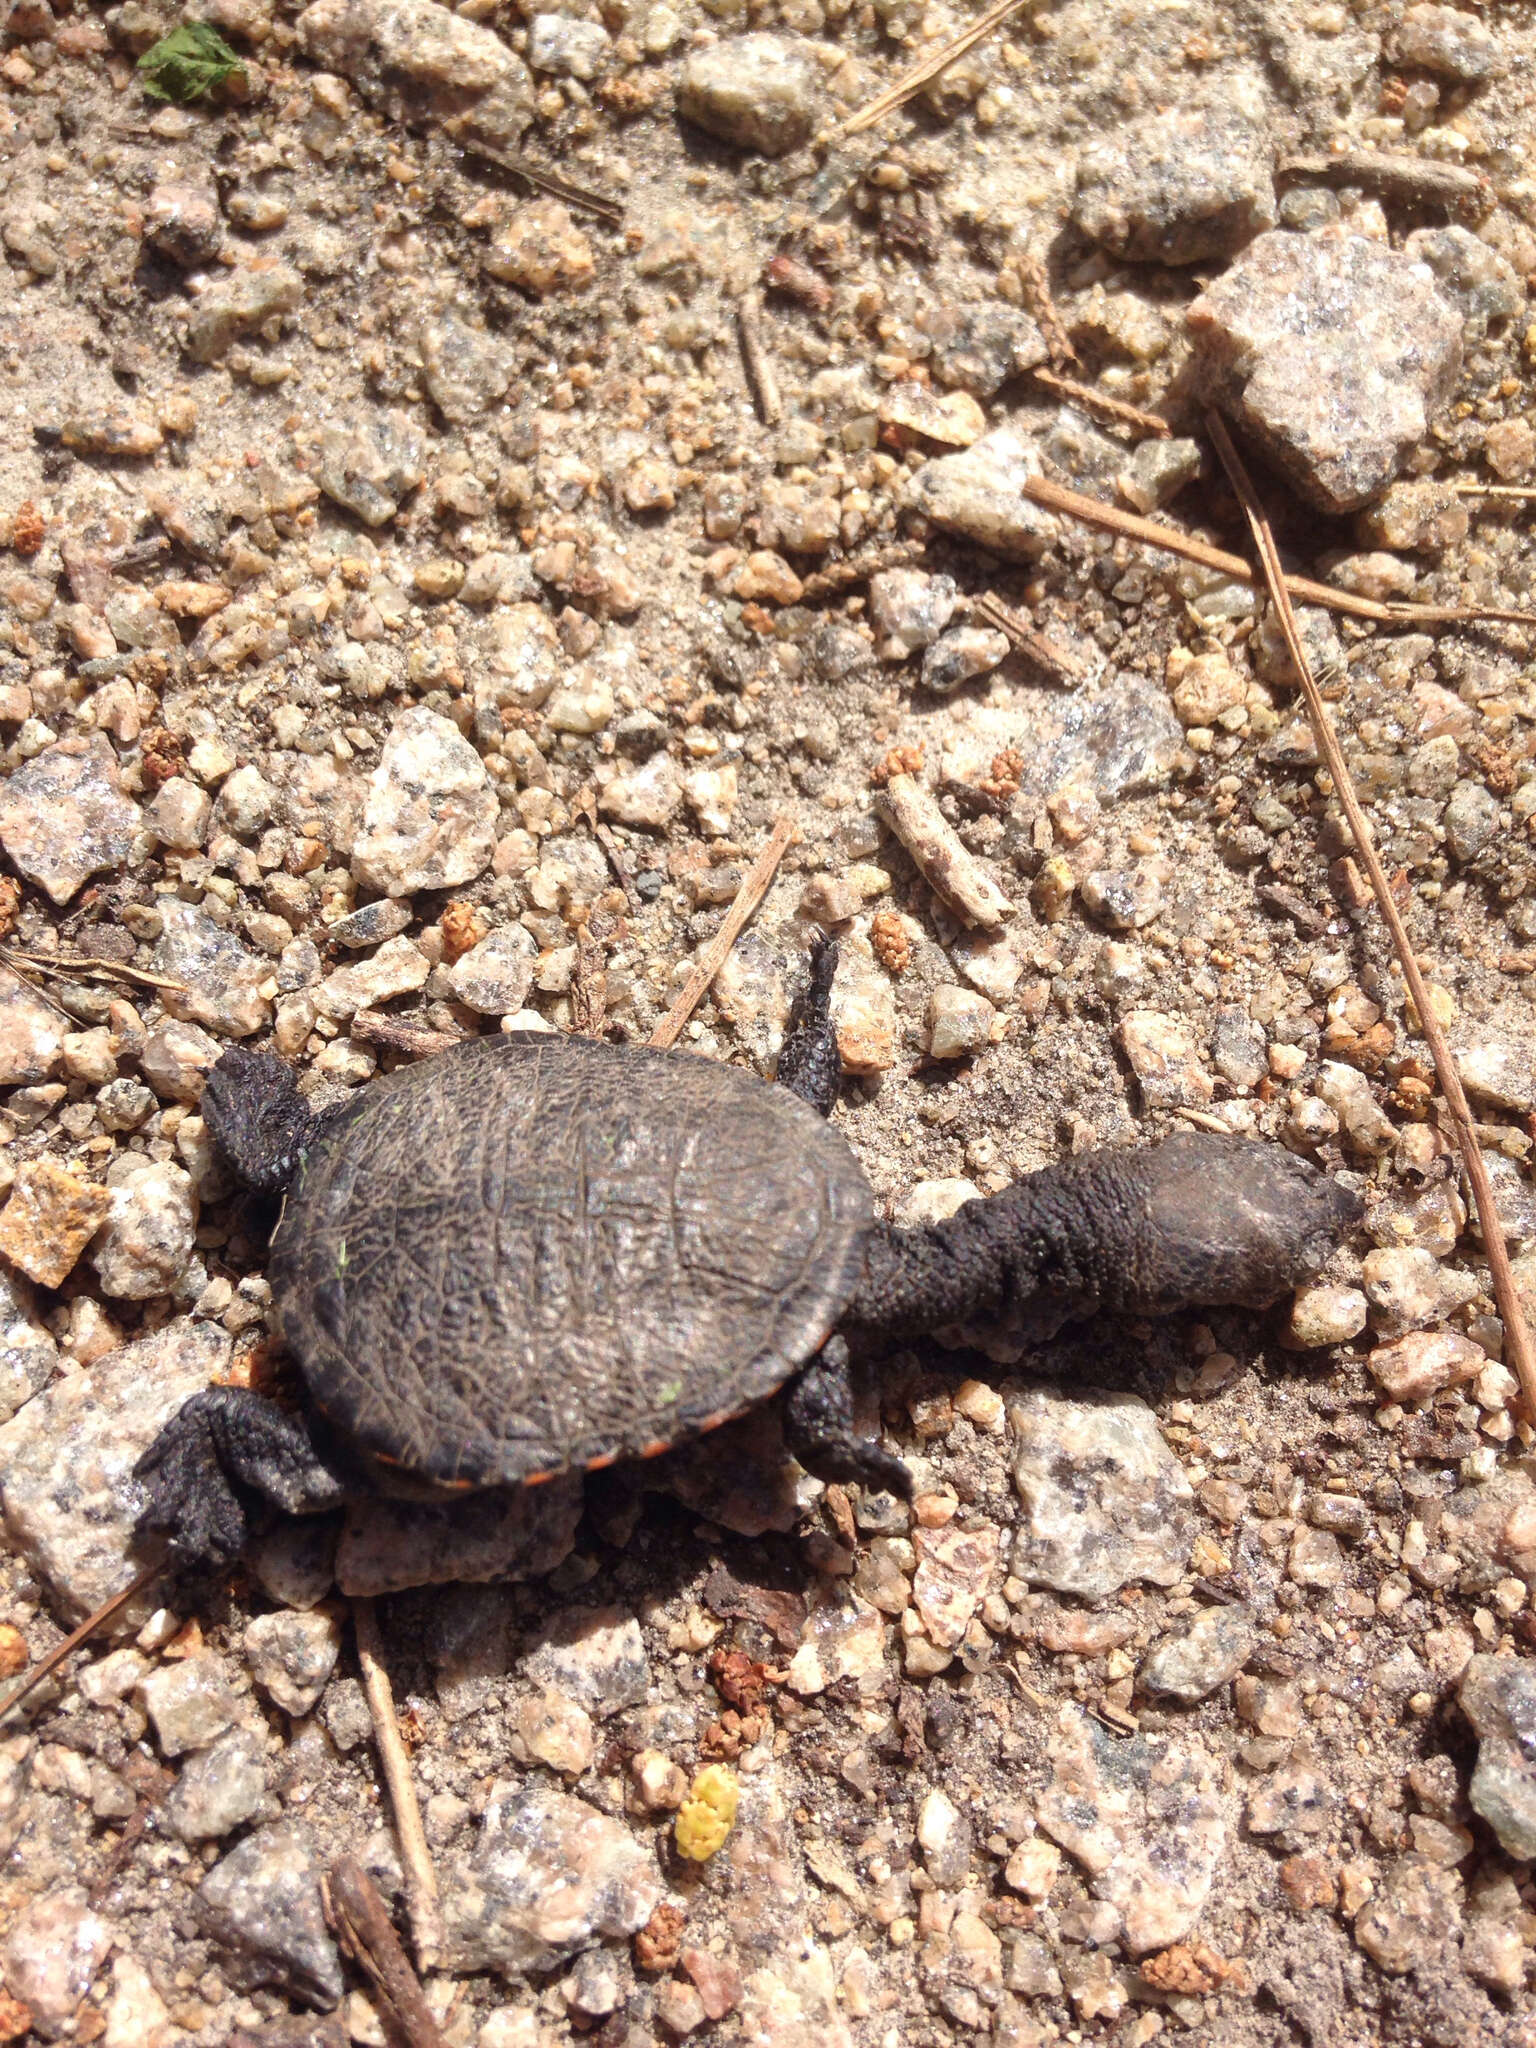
[{"x": 1197, "y": 1220}]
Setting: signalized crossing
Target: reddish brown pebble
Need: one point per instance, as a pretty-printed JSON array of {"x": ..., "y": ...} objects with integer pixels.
[
  {"x": 717, "y": 1979},
  {"x": 1308, "y": 1882},
  {"x": 658, "y": 1942}
]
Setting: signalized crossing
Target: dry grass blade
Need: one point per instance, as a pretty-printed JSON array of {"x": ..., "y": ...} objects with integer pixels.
[
  {"x": 66, "y": 965},
  {"x": 363, "y": 1929},
  {"x": 45, "y": 1666},
  {"x": 421, "y": 1895},
  {"x": 597, "y": 203},
  {"x": 1041, "y": 490},
  {"x": 1517, "y": 1337},
  {"x": 1114, "y": 410},
  {"x": 752, "y": 891},
  {"x": 929, "y": 68}
]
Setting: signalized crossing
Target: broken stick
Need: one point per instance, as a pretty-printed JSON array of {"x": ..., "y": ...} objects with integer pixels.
[{"x": 752, "y": 891}]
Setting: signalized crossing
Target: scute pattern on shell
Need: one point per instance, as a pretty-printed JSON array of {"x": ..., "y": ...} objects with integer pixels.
[{"x": 535, "y": 1252}]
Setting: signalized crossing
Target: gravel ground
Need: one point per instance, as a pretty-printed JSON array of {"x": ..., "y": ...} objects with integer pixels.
[{"x": 414, "y": 616}]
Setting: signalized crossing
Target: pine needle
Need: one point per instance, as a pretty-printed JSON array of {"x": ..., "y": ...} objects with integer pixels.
[
  {"x": 752, "y": 891},
  {"x": 1517, "y": 1337},
  {"x": 927, "y": 69},
  {"x": 45, "y": 1666},
  {"x": 1041, "y": 490}
]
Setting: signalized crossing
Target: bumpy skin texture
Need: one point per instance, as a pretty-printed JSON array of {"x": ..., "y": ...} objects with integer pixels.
[
  {"x": 223, "y": 1446},
  {"x": 809, "y": 1065},
  {"x": 263, "y": 1122},
  {"x": 1199, "y": 1219},
  {"x": 537, "y": 1252}
]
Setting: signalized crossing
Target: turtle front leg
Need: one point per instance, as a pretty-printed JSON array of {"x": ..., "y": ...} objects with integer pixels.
[
  {"x": 1199, "y": 1220},
  {"x": 225, "y": 1442},
  {"x": 809, "y": 1065},
  {"x": 818, "y": 1427},
  {"x": 257, "y": 1118}
]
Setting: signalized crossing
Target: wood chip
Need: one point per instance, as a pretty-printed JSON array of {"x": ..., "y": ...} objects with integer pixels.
[
  {"x": 362, "y": 1928},
  {"x": 1057, "y": 661},
  {"x": 953, "y": 874},
  {"x": 754, "y": 353},
  {"x": 1410, "y": 180}
]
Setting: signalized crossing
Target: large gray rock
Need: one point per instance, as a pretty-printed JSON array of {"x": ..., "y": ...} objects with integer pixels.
[
  {"x": 446, "y": 65},
  {"x": 28, "y": 1353},
  {"x": 756, "y": 91},
  {"x": 66, "y": 1462},
  {"x": 262, "y": 1903},
  {"x": 1333, "y": 353},
  {"x": 978, "y": 493},
  {"x": 1498, "y": 1696},
  {"x": 31, "y": 1034},
  {"x": 1213, "y": 1648},
  {"x": 549, "y": 1876},
  {"x": 594, "y": 1655},
  {"x": 63, "y": 815},
  {"x": 430, "y": 818},
  {"x": 51, "y": 1954},
  {"x": 219, "y": 1789},
  {"x": 1143, "y": 1818},
  {"x": 1105, "y": 1500},
  {"x": 222, "y": 981},
  {"x": 1178, "y": 186}
]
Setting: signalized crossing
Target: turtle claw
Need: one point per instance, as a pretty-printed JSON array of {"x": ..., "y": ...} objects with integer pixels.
[{"x": 219, "y": 1449}]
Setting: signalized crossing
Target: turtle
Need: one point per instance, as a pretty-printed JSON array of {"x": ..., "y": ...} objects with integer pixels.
[{"x": 536, "y": 1253}]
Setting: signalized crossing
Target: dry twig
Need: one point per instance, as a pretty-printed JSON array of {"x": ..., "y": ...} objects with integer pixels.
[
  {"x": 1409, "y": 180},
  {"x": 421, "y": 1897},
  {"x": 45, "y": 1666},
  {"x": 1058, "y": 498},
  {"x": 1517, "y": 1337},
  {"x": 615, "y": 853},
  {"x": 589, "y": 991},
  {"x": 1056, "y": 661},
  {"x": 754, "y": 352},
  {"x": 363, "y": 1929},
  {"x": 927, "y": 69},
  {"x": 1113, "y": 409},
  {"x": 753, "y": 889},
  {"x": 394, "y": 1034},
  {"x": 1474, "y": 490},
  {"x": 1035, "y": 280},
  {"x": 841, "y": 576}
]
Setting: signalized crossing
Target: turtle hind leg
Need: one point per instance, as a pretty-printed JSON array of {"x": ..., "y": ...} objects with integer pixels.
[
  {"x": 217, "y": 1450},
  {"x": 818, "y": 1428},
  {"x": 257, "y": 1118},
  {"x": 809, "y": 1065}
]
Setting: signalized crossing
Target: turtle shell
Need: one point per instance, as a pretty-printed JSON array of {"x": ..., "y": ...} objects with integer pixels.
[{"x": 536, "y": 1253}]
